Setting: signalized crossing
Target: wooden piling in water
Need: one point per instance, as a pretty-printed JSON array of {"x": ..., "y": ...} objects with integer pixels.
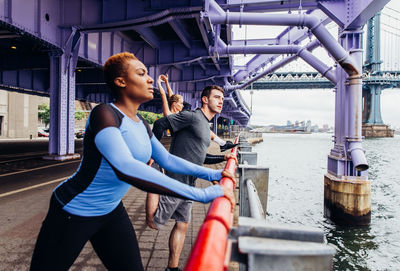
[{"x": 347, "y": 200}]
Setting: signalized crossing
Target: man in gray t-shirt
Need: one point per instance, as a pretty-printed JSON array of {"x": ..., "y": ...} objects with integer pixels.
[{"x": 191, "y": 139}]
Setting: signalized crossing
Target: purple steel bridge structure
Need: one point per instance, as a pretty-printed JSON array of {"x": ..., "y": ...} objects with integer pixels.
[{"x": 56, "y": 48}]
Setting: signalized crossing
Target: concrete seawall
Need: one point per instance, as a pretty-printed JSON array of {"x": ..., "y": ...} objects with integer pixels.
[{"x": 255, "y": 140}]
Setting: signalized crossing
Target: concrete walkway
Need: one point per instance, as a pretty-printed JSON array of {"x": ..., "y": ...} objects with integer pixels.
[
  {"x": 21, "y": 216},
  {"x": 153, "y": 243}
]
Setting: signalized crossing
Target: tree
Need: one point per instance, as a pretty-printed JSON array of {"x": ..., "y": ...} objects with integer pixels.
[
  {"x": 80, "y": 115},
  {"x": 150, "y": 117},
  {"x": 44, "y": 114}
]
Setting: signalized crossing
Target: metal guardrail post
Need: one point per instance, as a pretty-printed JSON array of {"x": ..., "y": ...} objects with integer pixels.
[
  {"x": 262, "y": 246},
  {"x": 259, "y": 175},
  {"x": 245, "y": 148},
  {"x": 249, "y": 158},
  {"x": 256, "y": 209}
]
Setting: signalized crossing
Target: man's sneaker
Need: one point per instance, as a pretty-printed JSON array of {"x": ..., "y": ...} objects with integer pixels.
[
  {"x": 228, "y": 145},
  {"x": 173, "y": 269}
]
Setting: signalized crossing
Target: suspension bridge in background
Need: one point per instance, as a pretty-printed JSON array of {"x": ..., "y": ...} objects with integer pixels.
[{"x": 381, "y": 71}]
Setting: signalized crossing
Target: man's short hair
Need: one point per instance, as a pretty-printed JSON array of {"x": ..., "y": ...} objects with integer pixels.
[{"x": 207, "y": 91}]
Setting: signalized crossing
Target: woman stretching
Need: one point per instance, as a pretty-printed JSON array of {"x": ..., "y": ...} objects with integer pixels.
[{"x": 117, "y": 145}]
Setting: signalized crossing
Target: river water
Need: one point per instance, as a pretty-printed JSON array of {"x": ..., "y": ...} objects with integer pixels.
[{"x": 297, "y": 165}]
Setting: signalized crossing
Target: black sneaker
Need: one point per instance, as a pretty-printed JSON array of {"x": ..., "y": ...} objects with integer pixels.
[
  {"x": 173, "y": 269},
  {"x": 228, "y": 145}
]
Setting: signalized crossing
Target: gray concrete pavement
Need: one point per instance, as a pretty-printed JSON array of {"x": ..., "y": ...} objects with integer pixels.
[{"x": 21, "y": 216}]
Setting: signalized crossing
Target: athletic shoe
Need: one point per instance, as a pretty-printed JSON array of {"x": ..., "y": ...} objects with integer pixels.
[{"x": 228, "y": 145}]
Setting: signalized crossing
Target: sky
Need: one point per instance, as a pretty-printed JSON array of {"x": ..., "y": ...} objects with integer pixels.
[{"x": 278, "y": 106}]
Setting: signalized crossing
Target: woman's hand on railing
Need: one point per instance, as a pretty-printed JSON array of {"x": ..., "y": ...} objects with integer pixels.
[
  {"x": 228, "y": 174},
  {"x": 230, "y": 156},
  {"x": 228, "y": 193}
]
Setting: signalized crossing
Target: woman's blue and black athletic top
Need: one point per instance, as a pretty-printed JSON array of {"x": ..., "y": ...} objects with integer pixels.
[{"x": 115, "y": 152}]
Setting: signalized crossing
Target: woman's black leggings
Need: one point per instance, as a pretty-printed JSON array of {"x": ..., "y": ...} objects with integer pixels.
[{"x": 63, "y": 236}]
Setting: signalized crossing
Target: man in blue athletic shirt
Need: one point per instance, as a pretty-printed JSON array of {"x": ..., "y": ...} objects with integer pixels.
[{"x": 191, "y": 140}]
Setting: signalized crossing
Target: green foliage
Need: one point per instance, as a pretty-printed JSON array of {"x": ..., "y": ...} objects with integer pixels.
[
  {"x": 44, "y": 113},
  {"x": 80, "y": 115},
  {"x": 150, "y": 117}
]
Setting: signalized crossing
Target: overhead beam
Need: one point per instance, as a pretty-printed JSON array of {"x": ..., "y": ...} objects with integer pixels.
[
  {"x": 269, "y": 5},
  {"x": 181, "y": 32},
  {"x": 358, "y": 11},
  {"x": 271, "y": 41},
  {"x": 289, "y": 35},
  {"x": 214, "y": 59},
  {"x": 124, "y": 20},
  {"x": 148, "y": 36},
  {"x": 203, "y": 32},
  {"x": 200, "y": 62}
]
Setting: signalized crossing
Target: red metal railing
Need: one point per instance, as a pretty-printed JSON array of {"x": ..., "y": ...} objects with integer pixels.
[{"x": 210, "y": 250}]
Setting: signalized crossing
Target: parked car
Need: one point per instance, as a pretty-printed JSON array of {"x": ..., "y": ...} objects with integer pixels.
[
  {"x": 80, "y": 134},
  {"x": 43, "y": 132}
]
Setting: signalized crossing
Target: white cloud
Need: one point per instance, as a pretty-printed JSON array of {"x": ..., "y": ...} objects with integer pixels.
[{"x": 278, "y": 106}]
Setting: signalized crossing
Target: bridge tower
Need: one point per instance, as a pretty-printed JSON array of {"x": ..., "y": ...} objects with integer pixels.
[{"x": 373, "y": 125}]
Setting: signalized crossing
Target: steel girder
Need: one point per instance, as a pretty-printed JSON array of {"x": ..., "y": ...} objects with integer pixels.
[
  {"x": 169, "y": 36},
  {"x": 166, "y": 36},
  {"x": 289, "y": 35}
]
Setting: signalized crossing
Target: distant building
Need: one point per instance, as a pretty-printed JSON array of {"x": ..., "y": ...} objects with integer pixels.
[
  {"x": 325, "y": 128},
  {"x": 19, "y": 114},
  {"x": 314, "y": 129}
]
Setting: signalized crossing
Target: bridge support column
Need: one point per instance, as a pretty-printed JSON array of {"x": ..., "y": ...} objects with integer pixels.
[
  {"x": 62, "y": 101},
  {"x": 347, "y": 190},
  {"x": 373, "y": 125}
]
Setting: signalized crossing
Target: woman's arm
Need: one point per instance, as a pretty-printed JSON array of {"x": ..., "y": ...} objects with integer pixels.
[
  {"x": 138, "y": 174},
  {"x": 165, "y": 79},
  {"x": 214, "y": 159},
  {"x": 164, "y": 99},
  {"x": 181, "y": 166}
]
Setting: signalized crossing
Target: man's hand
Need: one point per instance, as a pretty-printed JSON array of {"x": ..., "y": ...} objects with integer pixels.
[
  {"x": 226, "y": 173},
  {"x": 228, "y": 193}
]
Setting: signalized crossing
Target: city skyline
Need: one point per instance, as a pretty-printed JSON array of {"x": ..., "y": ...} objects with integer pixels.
[{"x": 277, "y": 106}]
